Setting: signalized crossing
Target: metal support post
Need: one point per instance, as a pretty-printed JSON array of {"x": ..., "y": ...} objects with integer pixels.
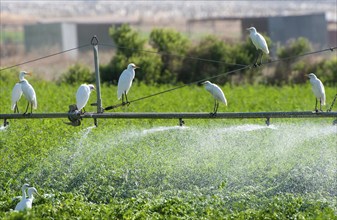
[{"x": 94, "y": 43}]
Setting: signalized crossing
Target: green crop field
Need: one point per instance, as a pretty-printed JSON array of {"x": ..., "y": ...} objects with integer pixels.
[{"x": 154, "y": 169}]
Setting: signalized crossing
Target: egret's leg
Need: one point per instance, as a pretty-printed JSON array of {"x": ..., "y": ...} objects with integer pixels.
[
  {"x": 26, "y": 109},
  {"x": 16, "y": 108},
  {"x": 257, "y": 58},
  {"x": 320, "y": 105},
  {"x": 261, "y": 54},
  {"x": 123, "y": 98},
  {"x": 316, "y": 110},
  {"x": 216, "y": 107},
  {"x": 126, "y": 98},
  {"x": 31, "y": 108}
]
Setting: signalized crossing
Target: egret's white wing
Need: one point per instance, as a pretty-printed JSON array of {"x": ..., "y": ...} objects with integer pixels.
[
  {"x": 218, "y": 94},
  {"x": 23, "y": 204},
  {"x": 16, "y": 94},
  {"x": 318, "y": 89},
  {"x": 125, "y": 82},
  {"x": 29, "y": 93},
  {"x": 216, "y": 91},
  {"x": 261, "y": 42},
  {"x": 322, "y": 91},
  {"x": 82, "y": 96}
]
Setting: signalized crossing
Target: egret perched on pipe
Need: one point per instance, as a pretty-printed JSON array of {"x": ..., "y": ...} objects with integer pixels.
[
  {"x": 125, "y": 82},
  {"x": 28, "y": 91},
  {"x": 26, "y": 203},
  {"x": 16, "y": 95},
  {"x": 318, "y": 89},
  {"x": 259, "y": 43},
  {"x": 217, "y": 94},
  {"x": 83, "y": 94}
]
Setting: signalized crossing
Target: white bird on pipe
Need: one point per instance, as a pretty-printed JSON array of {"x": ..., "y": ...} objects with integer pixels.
[
  {"x": 82, "y": 95},
  {"x": 28, "y": 91},
  {"x": 125, "y": 82},
  {"x": 217, "y": 94},
  {"x": 259, "y": 43},
  {"x": 26, "y": 203},
  {"x": 318, "y": 89},
  {"x": 16, "y": 95}
]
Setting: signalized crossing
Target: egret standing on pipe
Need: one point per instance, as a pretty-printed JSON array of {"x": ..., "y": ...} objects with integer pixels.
[
  {"x": 26, "y": 203},
  {"x": 28, "y": 91},
  {"x": 318, "y": 89},
  {"x": 259, "y": 43},
  {"x": 217, "y": 94},
  {"x": 83, "y": 94},
  {"x": 16, "y": 95},
  {"x": 125, "y": 82}
]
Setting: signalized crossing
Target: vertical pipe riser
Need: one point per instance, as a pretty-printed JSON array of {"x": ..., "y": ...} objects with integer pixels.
[{"x": 94, "y": 42}]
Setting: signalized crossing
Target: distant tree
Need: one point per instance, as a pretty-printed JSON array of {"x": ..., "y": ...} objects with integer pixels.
[
  {"x": 328, "y": 71},
  {"x": 171, "y": 45},
  {"x": 127, "y": 40},
  {"x": 283, "y": 72},
  {"x": 216, "y": 58},
  {"x": 77, "y": 74},
  {"x": 325, "y": 69},
  {"x": 129, "y": 45}
]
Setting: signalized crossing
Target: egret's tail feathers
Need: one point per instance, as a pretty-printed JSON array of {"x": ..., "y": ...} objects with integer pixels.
[
  {"x": 119, "y": 95},
  {"x": 266, "y": 51},
  {"x": 224, "y": 101},
  {"x": 323, "y": 101},
  {"x": 34, "y": 104}
]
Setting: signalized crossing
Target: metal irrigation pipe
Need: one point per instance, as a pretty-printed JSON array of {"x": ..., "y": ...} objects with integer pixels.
[{"x": 171, "y": 115}]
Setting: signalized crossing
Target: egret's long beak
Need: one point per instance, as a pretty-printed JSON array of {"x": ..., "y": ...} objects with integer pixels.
[
  {"x": 29, "y": 74},
  {"x": 137, "y": 67}
]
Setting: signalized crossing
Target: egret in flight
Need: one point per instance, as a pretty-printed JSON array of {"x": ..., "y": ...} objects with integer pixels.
[
  {"x": 83, "y": 94},
  {"x": 259, "y": 43},
  {"x": 16, "y": 95},
  {"x": 28, "y": 91},
  {"x": 217, "y": 94},
  {"x": 26, "y": 203},
  {"x": 125, "y": 82},
  {"x": 318, "y": 89}
]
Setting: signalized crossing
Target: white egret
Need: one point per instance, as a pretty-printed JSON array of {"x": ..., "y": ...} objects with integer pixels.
[
  {"x": 318, "y": 89},
  {"x": 259, "y": 43},
  {"x": 125, "y": 82},
  {"x": 23, "y": 188},
  {"x": 28, "y": 91},
  {"x": 16, "y": 95},
  {"x": 217, "y": 94},
  {"x": 26, "y": 203},
  {"x": 83, "y": 94}
]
